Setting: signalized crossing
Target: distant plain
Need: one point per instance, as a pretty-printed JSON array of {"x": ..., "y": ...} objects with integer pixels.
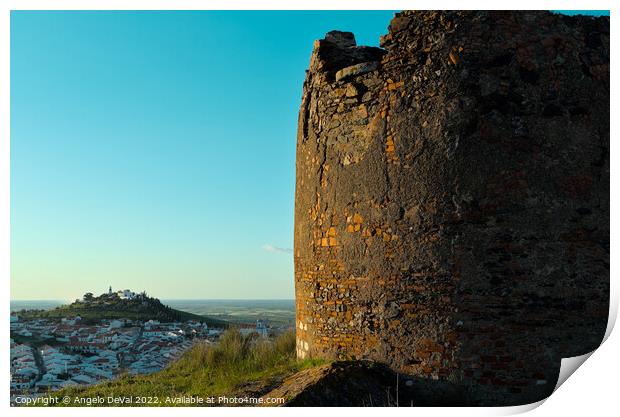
[{"x": 277, "y": 312}]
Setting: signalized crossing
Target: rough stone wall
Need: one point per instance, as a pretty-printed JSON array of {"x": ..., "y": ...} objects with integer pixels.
[{"x": 452, "y": 200}]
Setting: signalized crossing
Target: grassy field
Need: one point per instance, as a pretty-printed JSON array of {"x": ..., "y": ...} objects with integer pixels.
[{"x": 236, "y": 366}]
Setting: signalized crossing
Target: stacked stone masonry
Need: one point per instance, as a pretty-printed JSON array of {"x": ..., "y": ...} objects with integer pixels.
[{"x": 452, "y": 200}]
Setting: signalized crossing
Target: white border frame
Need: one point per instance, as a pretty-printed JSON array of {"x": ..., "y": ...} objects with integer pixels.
[{"x": 591, "y": 391}]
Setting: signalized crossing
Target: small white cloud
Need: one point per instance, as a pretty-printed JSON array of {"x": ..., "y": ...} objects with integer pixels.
[{"x": 275, "y": 249}]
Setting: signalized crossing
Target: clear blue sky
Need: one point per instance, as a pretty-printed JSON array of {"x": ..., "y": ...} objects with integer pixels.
[{"x": 156, "y": 150}]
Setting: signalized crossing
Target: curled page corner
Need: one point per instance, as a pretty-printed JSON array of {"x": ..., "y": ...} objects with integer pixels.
[
  {"x": 569, "y": 366},
  {"x": 520, "y": 409}
]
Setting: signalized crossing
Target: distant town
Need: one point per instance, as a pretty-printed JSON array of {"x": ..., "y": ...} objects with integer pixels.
[{"x": 48, "y": 354}]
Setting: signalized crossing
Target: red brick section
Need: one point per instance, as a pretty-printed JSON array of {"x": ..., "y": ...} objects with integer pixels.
[{"x": 452, "y": 200}]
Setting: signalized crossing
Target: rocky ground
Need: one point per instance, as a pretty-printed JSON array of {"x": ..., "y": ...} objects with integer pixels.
[{"x": 356, "y": 384}]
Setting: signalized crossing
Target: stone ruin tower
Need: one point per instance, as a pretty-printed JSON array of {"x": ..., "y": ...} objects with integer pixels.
[{"x": 452, "y": 201}]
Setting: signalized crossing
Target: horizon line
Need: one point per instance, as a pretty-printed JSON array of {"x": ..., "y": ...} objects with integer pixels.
[{"x": 173, "y": 299}]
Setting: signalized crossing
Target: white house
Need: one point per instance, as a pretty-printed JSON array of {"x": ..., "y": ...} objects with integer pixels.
[
  {"x": 261, "y": 328},
  {"x": 126, "y": 294},
  {"x": 72, "y": 321},
  {"x": 154, "y": 332},
  {"x": 115, "y": 324}
]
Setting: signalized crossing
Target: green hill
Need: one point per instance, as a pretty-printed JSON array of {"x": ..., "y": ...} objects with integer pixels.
[{"x": 112, "y": 306}]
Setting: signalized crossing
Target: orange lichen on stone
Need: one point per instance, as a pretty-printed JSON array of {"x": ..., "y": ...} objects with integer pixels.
[
  {"x": 355, "y": 223},
  {"x": 393, "y": 86},
  {"x": 454, "y": 58},
  {"x": 362, "y": 111},
  {"x": 430, "y": 345}
]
